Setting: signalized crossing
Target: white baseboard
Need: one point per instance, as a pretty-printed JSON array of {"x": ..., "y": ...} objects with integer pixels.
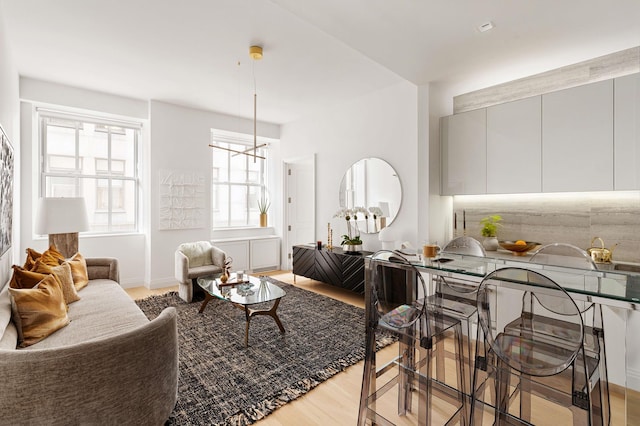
[
  {"x": 132, "y": 282},
  {"x": 633, "y": 379},
  {"x": 162, "y": 282}
]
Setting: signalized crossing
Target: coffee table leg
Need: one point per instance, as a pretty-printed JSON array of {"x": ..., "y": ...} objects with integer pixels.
[
  {"x": 271, "y": 312},
  {"x": 207, "y": 297}
]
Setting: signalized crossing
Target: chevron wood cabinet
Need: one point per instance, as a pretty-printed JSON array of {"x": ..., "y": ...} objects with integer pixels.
[{"x": 333, "y": 266}]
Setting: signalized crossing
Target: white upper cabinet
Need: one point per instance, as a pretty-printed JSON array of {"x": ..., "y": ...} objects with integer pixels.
[
  {"x": 464, "y": 153},
  {"x": 627, "y": 132},
  {"x": 514, "y": 147},
  {"x": 577, "y": 139}
]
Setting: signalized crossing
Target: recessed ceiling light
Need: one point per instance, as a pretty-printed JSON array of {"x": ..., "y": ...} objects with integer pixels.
[{"x": 485, "y": 27}]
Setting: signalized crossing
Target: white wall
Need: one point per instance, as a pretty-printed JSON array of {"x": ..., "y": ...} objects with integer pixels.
[
  {"x": 179, "y": 141},
  {"x": 382, "y": 124},
  {"x": 10, "y": 121}
]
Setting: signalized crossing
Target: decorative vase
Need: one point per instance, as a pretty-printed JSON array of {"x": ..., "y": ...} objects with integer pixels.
[
  {"x": 224, "y": 278},
  {"x": 490, "y": 243},
  {"x": 263, "y": 220},
  {"x": 352, "y": 248}
]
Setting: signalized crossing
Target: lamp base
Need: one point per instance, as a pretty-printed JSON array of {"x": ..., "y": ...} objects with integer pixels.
[{"x": 67, "y": 244}]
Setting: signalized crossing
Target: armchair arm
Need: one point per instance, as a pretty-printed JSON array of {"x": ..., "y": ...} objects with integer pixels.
[
  {"x": 103, "y": 267},
  {"x": 218, "y": 256},
  {"x": 181, "y": 267}
]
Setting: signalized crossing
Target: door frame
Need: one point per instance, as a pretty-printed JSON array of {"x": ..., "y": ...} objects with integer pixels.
[{"x": 286, "y": 261}]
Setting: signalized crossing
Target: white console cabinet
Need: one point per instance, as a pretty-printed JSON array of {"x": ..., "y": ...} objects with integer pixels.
[{"x": 252, "y": 254}]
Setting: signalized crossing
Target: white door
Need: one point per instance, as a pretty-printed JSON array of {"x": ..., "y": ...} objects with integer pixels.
[{"x": 300, "y": 204}]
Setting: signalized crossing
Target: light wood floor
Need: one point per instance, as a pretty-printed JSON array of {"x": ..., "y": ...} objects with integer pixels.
[{"x": 335, "y": 401}]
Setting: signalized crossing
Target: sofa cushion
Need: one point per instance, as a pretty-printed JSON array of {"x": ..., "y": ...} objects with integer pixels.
[
  {"x": 38, "y": 312},
  {"x": 63, "y": 274},
  {"x": 79, "y": 271},
  {"x": 105, "y": 310},
  {"x": 201, "y": 271},
  {"x": 9, "y": 339},
  {"x": 198, "y": 253}
]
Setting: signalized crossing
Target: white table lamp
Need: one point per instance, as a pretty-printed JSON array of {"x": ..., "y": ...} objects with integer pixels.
[
  {"x": 62, "y": 219},
  {"x": 384, "y": 206},
  {"x": 388, "y": 238}
]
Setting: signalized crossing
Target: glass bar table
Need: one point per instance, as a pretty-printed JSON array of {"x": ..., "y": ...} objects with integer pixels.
[{"x": 617, "y": 292}]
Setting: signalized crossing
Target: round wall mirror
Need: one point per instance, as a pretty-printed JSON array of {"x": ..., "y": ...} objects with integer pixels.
[{"x": 374, "y": 185}]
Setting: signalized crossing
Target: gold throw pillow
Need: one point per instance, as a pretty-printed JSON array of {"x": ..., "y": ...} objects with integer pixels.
[
  {"x": 38, "y": 312},
  {"x": 32, "y": 256},
  {"x": 63, "y": 274},
  {"x": 23, "y": 278},
  {"x": 79, "y": 271},
  {"x": 52, "y": 256}
]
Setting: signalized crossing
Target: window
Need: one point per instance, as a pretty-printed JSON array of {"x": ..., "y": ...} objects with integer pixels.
[
  {"x": 237, "y": 182},
  {"x": 92, "y": 158}
]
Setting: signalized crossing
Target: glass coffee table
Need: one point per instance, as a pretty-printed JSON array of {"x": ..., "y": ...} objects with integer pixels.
[{"x": 243, "y": 295}]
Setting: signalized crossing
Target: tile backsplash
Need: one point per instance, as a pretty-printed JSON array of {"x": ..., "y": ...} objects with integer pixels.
[{"x": 573, "y": 218}]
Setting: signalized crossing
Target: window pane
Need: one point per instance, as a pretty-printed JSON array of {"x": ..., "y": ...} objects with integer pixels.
[
  {"x": 123, "y": 153},
  {"x": 92, "y": 145},
  {"x": 60, "y": 187},
  {"x": 255, "y": 170},
  {"x": 61, "y": 163},
  {"x": 220, "y": 197},
  {"x": 123, "y": 206},
  {"x": 238, "y": 205},
  {"x": 61, "y": 143},
  {"x": 238, "y": 166},
  {"x": 254, "y": 213}
]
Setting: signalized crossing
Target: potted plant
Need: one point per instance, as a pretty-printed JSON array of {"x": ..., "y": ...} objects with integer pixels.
[
  {"x": 263, "y": 206},
  {"x": 351, "y": 242},
  {"x": 489, "y": 229}
]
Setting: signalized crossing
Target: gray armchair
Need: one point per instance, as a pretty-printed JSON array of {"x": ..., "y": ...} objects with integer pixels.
[{"x": 193, "y": 260}]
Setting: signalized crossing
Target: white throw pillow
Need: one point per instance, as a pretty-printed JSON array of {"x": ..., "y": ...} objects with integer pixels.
[{"x": 199, "y": 253}]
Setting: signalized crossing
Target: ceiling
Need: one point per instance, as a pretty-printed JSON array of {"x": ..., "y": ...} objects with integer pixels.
[{"x": 316, "y": 52}]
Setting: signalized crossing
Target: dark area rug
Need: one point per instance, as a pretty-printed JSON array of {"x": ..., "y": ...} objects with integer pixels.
[{"x": 223, "y": 383}]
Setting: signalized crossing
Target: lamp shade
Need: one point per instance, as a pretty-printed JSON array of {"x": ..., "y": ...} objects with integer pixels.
[
  {"x": 61, "y": 216},
  {"x": 384, "y": 206}
]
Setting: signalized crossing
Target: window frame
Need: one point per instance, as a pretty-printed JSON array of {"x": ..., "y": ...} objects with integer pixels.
[
  {"x": 222, "y": 137},
  {"x": 42, "y": 116}
]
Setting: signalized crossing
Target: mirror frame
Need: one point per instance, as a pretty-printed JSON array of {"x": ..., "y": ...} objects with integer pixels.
[{"x": 358, "y": 174}]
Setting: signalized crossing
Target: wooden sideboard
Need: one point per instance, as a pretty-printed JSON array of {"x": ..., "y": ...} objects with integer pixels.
[{"x": 334, "y": 266}]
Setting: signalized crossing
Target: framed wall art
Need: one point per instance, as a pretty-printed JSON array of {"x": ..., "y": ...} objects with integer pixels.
[{"x": 6, "y": 192}]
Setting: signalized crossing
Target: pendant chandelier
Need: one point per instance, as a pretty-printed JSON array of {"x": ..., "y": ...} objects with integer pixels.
[{"x": 255, "y": 53}]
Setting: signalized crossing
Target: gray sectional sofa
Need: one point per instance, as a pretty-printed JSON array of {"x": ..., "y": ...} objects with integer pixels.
[{"x": 110, "y": 365}]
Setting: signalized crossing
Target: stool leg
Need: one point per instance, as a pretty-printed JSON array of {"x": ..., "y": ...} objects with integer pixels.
[{"x": 368, "y": 376}]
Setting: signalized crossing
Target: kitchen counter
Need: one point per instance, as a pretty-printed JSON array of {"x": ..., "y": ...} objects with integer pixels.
[{"x": 613, "y": 266}]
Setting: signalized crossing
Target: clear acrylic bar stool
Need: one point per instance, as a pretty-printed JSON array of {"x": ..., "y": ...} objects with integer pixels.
[
  {"x": 394, "y": 308},
  {"x": 456, "y": 297},
  {"x": 525, "y": 354}
]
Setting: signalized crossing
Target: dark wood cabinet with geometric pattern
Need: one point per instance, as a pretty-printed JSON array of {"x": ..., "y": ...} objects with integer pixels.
[{"x": 334, "y": 266}]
